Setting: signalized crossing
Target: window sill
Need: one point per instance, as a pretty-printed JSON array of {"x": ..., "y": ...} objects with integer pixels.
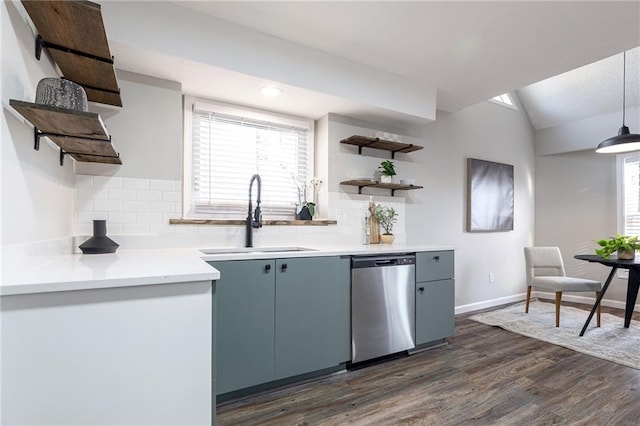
[{"x": 321, "y": 222}]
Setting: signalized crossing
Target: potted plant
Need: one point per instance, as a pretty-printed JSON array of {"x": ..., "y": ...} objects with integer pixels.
[
  {"x": 388, "y": 171},
  {"x": 386, "y": 217},
  {"x": 625, "y": 247}
]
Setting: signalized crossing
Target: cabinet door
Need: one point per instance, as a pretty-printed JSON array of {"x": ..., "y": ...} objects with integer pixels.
[
  {"x": 434, "y": 265},
  {"x": 312, "y": 314},
  {"x": 245, "y": 316},
  {"x": 435, "y": 315}
]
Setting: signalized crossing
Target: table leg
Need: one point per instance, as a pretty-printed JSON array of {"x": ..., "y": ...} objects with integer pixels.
[
  {"x": 599, "y": 299},
  {"x": 633, "y": 284}
]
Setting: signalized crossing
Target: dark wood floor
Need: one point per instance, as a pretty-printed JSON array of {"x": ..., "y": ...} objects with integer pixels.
[{"x": 484, "y": 376}]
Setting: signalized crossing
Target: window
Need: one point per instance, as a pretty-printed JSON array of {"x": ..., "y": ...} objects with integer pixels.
[
  {"x": 226, "y": 145},
  {"x": 629, "y": 193},
  {"x": 504, "y": 100}
]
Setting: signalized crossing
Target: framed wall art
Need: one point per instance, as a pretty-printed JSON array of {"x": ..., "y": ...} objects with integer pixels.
[{"x": 489, "y": 196}]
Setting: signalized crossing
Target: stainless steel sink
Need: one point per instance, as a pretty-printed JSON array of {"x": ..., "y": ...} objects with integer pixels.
[{"x": 243, "y": 250}]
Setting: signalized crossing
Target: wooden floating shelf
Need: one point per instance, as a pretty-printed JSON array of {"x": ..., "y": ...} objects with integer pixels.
[
  {"x": 73, "y": 32},
  {"x": 376, "y": 143},
  {"x": 82, "y": 135},
  {"x": 371, "y": 184}
]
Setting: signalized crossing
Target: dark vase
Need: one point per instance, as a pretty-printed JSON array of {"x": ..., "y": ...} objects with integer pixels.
[
  {"x": 99, "y": 243},
  {"x": 304, "y": 214}
]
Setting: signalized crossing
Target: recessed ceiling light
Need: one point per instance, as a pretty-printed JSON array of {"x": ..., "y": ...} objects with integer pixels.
[{"x": 270, "y": 91}]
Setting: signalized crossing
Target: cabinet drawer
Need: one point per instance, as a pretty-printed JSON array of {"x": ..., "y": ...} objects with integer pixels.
[{"x": 434, "y": 265}]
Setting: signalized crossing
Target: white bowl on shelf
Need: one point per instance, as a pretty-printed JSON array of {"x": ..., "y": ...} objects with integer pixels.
[{"x": 407, "y": 181}]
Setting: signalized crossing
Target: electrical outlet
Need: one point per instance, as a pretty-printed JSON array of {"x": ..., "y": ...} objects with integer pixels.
[{"x": 490, "y": 277}]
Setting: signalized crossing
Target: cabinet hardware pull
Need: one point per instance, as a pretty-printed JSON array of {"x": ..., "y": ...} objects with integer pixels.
[
  {"x": 421, "y": 289},
  {"x": 267, "y": 267},
  {"x": 436, "y": 258},
  {"x": 284, "y": 267}
]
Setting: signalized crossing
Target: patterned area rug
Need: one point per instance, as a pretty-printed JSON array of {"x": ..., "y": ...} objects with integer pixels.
[{"x": 611, "y": 341}]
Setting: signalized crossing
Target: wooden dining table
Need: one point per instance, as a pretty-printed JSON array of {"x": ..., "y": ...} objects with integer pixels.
[{"x": 633, "y": 283}]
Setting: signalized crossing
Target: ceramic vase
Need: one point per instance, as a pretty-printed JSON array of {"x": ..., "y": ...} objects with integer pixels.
[
  {"x": 304, "y": 214},
  {"x": 387, "y": 238},
  {"x": 99, "y": 243}
]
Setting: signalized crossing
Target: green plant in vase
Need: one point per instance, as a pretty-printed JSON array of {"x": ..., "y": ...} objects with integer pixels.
[
  {"x": 625, "y": 247},
  {"x": 388, "y": 171},
  {"x": 386, "y": 217}
]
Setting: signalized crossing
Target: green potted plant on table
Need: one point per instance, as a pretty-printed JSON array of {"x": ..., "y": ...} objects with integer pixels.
[
  {"x": 625, "y": 247},
  {"x": 386, "y": 217},
  {"x": 388, "y": 171}
]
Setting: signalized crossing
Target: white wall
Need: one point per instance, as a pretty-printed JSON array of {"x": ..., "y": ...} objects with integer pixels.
[
  {"x": 146, "y": 131},
  {"x": 575, "y": 206},
  {"x": 437, "y": 214},
  {"x": 36, "y": 193}
]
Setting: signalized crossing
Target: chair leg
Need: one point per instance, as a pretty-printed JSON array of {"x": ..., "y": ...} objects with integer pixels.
[
  {"x": 558, "y": 299},
  {"x": 598, "y": 311},
  {"x": 526, "y": 307}
]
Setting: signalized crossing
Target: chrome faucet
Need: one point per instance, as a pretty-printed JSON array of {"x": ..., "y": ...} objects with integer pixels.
[{"x": 254, "y": 221}]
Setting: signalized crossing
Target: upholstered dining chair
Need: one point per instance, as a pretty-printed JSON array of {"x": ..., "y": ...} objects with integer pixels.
[{"x": 545, "y": 270}]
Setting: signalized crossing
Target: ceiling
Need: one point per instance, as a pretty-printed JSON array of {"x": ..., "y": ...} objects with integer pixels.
[{"x": 470, "y": 51}]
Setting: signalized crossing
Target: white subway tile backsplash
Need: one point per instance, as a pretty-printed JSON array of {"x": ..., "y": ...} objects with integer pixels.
[
  {"x": 135, "y": 206},
  {"x": 107, "y": 205},
  {"x": 149, "y": 218},
  {"x": 107, "y": 182},
  {"x": 173, "y": 196},
  {"x": 161, "y": 185},
  {"x": 135, "y": 229},
  {"x": 122, "y": 194},
  {"x": 162, "y": 207},
  {"x": 121, "y": 217},
  {"x": 91, "y": 193},
  {"x": 133, "y": 183},
  {"x": 148, "y": 195},
  {"x": 88, "y": 216}
]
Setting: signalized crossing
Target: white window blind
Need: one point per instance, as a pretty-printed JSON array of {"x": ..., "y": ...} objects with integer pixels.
[
  {"x": 228, "y": 149},
  {"x": 631, "y": 194}
]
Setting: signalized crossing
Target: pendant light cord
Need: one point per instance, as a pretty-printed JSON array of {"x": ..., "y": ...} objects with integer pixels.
[{"x": 624, "y": 78}]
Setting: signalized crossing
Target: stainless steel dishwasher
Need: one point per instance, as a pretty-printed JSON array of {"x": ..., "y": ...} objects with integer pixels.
[{"x": 382, "y": 306}]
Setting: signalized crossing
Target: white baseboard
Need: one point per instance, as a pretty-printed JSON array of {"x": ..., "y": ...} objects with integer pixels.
[
  {"x": 541, "y": 295},
  {"x": 490, "y": 303}
]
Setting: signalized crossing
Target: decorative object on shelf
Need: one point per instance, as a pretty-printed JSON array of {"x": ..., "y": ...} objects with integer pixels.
[
  {"x": 625, "y": 247},
  {"x": 489, "y": 196},
  {"x": 374, "y": 226},
  {"x": 99, "y": 243},
  {"x": 624, "y": 141},
  {"x": 407, "y": 181},
  {"x": 305, "y": 209},
  {"x": 376, "y": 143},
  {"x": 61, "y": 93},
  {"x": 388, "y": 171},
  {"x": 387, "y": 217}
]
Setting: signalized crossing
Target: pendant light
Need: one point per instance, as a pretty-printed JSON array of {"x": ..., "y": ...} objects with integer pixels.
[{"x": 624, "y": 141}]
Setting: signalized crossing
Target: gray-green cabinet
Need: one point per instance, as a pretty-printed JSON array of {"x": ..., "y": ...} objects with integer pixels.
[
  {"x": 245, "y": 306},
  {"x": 279, "y": 318},
  {"x": 435, "y": 294},
  {"x": 312, "y": 324}
]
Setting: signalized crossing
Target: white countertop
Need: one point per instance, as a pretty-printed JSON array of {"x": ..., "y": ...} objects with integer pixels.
[{"x": 147, "y": 267}]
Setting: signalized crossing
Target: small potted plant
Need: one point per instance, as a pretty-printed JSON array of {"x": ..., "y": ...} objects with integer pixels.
[
  {"x": 388, "y": 171},
  {"x": 386, "y": 217},
  {"x": 625, "y": 247}
]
